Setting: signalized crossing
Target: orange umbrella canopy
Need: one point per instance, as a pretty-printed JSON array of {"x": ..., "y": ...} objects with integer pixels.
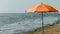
[{"x": 42, "y": 8}]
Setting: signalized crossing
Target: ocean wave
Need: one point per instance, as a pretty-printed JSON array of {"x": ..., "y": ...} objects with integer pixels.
[
  {"x": 26, "y": 25},
  {"x": 25, "y": 22}
]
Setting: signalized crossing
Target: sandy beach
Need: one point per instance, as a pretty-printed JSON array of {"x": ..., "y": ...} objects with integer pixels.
[{"x": 52, "y": 29}]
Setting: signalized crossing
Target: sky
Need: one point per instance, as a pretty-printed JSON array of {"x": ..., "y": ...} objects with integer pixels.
[{"x": 19, "y": 6}]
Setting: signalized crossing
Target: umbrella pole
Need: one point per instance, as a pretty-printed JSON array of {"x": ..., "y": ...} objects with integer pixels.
[{"x": 42, "y": 24}]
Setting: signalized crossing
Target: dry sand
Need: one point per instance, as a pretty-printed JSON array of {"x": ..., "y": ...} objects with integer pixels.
[{"x": 55, "y": 29}]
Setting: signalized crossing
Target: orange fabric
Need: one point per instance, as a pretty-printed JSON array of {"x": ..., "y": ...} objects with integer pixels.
[{"x": 42, "y": 8}]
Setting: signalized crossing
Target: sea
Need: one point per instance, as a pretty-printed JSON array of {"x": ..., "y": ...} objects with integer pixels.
[{"x": 21, "y": 23}]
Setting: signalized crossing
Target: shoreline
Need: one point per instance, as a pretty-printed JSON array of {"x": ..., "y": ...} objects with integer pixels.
[{"x": 48, "y": 29}]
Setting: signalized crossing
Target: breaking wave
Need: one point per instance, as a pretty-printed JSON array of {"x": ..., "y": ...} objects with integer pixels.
[{"x": 22, "y": 22}]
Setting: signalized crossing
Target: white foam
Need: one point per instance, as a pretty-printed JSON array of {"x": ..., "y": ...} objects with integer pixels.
[{"x": 26, "y": 25}]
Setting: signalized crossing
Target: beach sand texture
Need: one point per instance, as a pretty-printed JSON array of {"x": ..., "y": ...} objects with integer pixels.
[{"x": 55, "y": 29}]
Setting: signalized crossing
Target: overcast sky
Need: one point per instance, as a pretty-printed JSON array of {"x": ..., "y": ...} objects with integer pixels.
[{"x": 19, "y": 6}]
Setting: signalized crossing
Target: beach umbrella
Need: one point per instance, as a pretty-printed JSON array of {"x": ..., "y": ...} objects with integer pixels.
[{"x": 41, "y": 8}]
